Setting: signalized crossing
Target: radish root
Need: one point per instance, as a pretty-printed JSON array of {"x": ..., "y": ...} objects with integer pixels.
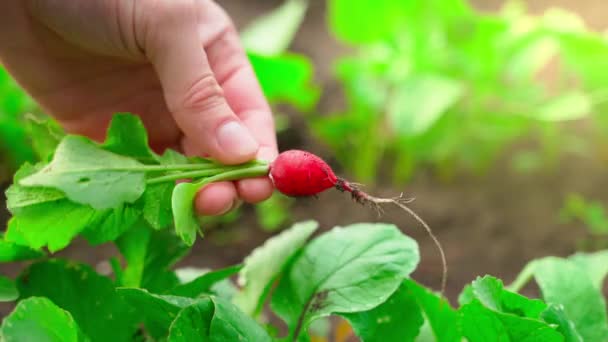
[{"x": 377, "y": 203}]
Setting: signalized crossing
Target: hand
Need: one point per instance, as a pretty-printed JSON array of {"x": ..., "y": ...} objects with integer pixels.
[{"x": 178, "y": 64}]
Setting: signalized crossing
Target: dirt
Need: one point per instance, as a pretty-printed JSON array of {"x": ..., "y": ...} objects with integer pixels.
[{"x": 488, "y": 225}]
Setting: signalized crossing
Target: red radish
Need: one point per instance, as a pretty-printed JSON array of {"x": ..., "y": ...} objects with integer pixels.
[{"x": 300, "y": 173}]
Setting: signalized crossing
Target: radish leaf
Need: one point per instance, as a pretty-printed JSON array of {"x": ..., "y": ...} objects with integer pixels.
[
  {"x": 39, "y": 319},
  {"x": 8, "y": 290},
  {"x": 272, "y": 33},
  {"x": 266, "y": 262},
  {"x": 182, "y": 204},
  {"x": 127, "y": 136},
  {"x": 149, "y": 256},
  {"x": 79, "y": 290},
  {"x": 10, "y": 251},
  {"x": 52, "y": 224},
  {"x": 443, "y": 321},
  {"x": 156, "y": 311},
  {"x": 564, "y": 282},
  {"x": 397, "y": 319},
  {"x": 90, "y": 175},
  {"x": 205, "y": 283},
  {"x": 420, "y": 101},
  {"x": 215, "y": 319},
  {"x": 286, "y": 78},
  {"x": 18, "y": 196},
  {"x": 491, "y": 313},
  {"x": 349, "y": 269}
]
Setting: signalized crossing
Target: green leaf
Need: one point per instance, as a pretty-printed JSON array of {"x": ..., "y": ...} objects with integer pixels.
[
  {"x": 149, "y": 256},
  {"x": 52, "y": 224},
  {"x": 204, "y": 283},
  {"x": 482, "y": 324},
  {"x": 127, "y": 136},
  {"x": 38, "y": 319},
  {"x": 14, "y": 101},
  {"x": 573, "y": 105},
  {"x": 157, "y": 197},
  {"x": 19, "y": 197},
  {"x": 170, "y": 157},
  {"x": 272, "y": 33},
  {"x": 157, "y": 205},
  {"x": 564, "y": 282},
  {"x": 444, "y": 321},
  {"x": 397, "y": 319},
  {"x": 594, "y": 264},
  {"x": 286, "y": 78},
  {"x": 89, "y": 297},
  {"x": 8, "y": 290},
  {"x": 215, "y": 319},
  {"x": 156, "y": 312},
  {"x": 274, "y": 212},
  {"x": 266, "y": 262},
  {"x": 182, "y": 200},
  {"x": 420, "y": 101},
  {"x": 349, "y": 269},
  {"x": 555, "y": 314},
  {"x": 494, "y": 314},
  {"x": 10, "y": 252},
  {"x": 90, "y": 175},
  {"x": 45, "y": 134},
  {"x": 365, "y": 21},
  {"x": 109, "y": 224}
]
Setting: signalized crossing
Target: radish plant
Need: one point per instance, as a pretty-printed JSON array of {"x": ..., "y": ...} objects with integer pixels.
[
  {"x": 120, "y": 191},
  {"x": 438, "y": 84}
]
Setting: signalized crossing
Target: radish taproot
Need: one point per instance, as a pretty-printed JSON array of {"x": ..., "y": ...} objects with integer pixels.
[{"x": 299, "y": 173}]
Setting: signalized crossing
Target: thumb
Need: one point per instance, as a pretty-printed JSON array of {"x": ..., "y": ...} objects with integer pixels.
[{"x": 192, "y": 93}]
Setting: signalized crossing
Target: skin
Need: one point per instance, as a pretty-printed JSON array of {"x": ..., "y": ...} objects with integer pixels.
[{"x": 178, "y": 64}]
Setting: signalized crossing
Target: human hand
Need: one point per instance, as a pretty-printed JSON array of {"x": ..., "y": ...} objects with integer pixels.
[{"x": 177, "y": 64}]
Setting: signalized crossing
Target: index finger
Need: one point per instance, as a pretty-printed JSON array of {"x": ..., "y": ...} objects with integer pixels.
[{"x": 244, "y": 95}]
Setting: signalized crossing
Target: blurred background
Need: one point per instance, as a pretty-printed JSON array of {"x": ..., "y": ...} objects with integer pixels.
[{"x": 492, "y": 114}]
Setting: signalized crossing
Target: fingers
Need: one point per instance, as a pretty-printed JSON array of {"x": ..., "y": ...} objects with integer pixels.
[
  {"x": 216, "y": 199},
  {"x": 212, "y": 91},
  {"x": 242, "y": 91},
  {"x": 193, "y": 95}
]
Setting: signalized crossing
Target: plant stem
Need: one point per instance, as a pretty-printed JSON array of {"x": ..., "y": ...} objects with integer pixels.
[
  {"x": 212, "y": 172},
  {"x": 176, "y": 167},
  {"x": 185, "y": 175},
  {"x": 240, "y": 173}
]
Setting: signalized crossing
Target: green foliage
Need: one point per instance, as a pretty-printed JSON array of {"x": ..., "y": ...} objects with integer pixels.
[
  {"x": 286, "y": 78},
  {"x": 591, "y": 213},
  {"x": 80, "y": 291},
  {"x": 271, "y": 34},
  {"x": 576, "y": 285},
  {"x": 274, "y": 212},
  {"x": 99, "y": 190},
  {"x": 38, "y": 319},
  {"x": 344, "y": 271},
  {"x": 90, "y": 175},
  {"x": 490, "y": 312},
  {"x": 398, "y": 318},
  {"x": 8, "y": 290},
  {"x": 268, "y": 261},
  {"x": 214, "y": 319},
  {"x": 10, "y": 252},
  {"x": 434, "y": 83},
  {"x": 360, "y": 272},
  {"x": 14, "y": 102}
]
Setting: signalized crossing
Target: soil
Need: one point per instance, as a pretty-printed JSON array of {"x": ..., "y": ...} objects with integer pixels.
[{"x": 492, "y": 224}]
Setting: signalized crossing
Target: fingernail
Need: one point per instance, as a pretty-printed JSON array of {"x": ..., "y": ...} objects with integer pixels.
[{"x": 236, "y": 140}]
